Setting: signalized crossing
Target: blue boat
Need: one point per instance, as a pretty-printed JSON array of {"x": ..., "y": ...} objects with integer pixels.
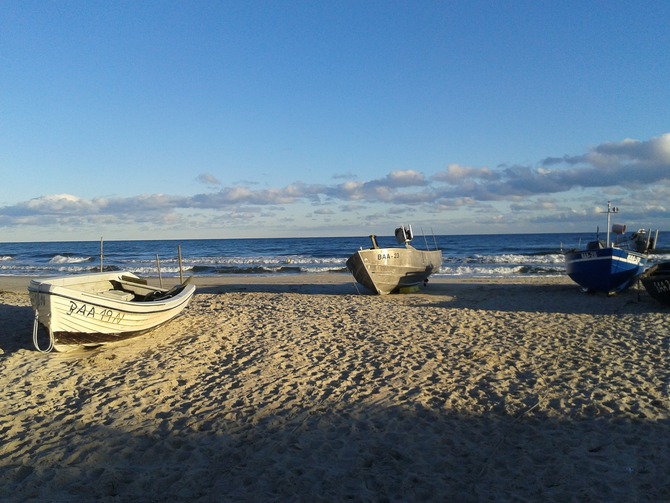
[{"x": 610, "y": 267}]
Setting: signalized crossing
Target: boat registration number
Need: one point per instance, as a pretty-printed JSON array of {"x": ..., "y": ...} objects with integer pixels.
[
  {"x": 102, "y": 314},
  {"x": 662, "y": 286},
  {"x": 387, "y": 256},
  {"x": 586, "y": 255}
]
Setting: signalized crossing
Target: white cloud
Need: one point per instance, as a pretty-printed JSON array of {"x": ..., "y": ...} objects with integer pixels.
[
  {"x": 408, "y": 178},
  {"x": 456, "y": 174}
]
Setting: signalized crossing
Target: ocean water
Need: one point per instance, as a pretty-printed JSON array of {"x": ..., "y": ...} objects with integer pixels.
[{"x": 505, "y": 255}]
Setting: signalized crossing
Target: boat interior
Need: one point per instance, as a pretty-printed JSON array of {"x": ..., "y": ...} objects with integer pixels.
[{"x": 137, "y": 289}]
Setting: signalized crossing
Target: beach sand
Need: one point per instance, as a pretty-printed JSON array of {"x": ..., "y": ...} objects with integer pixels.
[{"x": 303, "y": 389}]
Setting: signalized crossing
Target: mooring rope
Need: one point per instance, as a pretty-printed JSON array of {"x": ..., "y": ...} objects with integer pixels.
[{"x": 36, "y": 325}]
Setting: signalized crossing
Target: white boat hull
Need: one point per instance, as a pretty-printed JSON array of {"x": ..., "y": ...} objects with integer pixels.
[
  {"x": 94, "y": 309},
  {"x": 386, "y": 270}
]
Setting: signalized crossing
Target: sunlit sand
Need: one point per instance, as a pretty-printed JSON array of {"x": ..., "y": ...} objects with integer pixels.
[{"x": 303, "y": 389}]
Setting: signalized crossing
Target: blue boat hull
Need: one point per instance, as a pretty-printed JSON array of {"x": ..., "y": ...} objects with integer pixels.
[{"x": 607, "y": 270}]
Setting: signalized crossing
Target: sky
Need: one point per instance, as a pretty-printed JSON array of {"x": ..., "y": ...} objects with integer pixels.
[{"x": 231, "y": 119}]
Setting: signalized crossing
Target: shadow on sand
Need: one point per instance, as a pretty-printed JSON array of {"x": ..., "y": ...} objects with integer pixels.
[
  {"x": 364, "y": 454},
  {"x": 16, "y": 327},
  {"x": 550, "y": 298}
]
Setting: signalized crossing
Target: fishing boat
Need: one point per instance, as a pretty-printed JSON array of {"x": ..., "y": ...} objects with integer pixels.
[
  {"x": 656, "y": 280},
  {"x": 93, "y": 309},
  {"x": 388, "y": 270},
  {"x": 610, "y": 267}
]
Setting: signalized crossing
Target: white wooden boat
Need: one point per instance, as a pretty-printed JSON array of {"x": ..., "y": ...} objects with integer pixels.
[
  {"x": 94, "y": 309},
  {"x": 388, "y": 270}
]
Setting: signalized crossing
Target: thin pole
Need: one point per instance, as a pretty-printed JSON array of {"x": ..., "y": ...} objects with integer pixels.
[
  {"x": 158, "y": 265},
  {"x": 101, "y": 254},
  {"x": 181, "y": 272},
  {"x": 609, "y": 206}
]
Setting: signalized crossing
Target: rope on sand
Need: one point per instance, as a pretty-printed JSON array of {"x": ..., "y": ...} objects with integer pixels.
[{"x": 36, "y": 325}]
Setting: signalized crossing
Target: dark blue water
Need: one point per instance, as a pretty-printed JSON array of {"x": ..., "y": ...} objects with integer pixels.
[{"x": 485, "y": 255}]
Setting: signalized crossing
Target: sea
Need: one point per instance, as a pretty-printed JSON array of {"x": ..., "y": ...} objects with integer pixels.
[{"x": 494, "y": 256}]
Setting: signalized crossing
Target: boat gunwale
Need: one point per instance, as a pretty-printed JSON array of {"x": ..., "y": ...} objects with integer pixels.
[
  {"x": 138, "y": 307},
  {"x": 62, "y": 286}
]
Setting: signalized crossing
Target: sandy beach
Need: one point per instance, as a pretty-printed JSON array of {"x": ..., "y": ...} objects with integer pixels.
[{"x": 305, "y": 388}]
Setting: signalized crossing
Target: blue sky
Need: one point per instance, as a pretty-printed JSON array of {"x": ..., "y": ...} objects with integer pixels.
[{"x": 138, "y": 120}]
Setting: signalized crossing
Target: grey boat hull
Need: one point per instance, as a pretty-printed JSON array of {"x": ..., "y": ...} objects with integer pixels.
[{"x": 386, "y": 270}]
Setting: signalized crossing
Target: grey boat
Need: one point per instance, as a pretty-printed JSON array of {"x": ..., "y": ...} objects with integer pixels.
[{"x": 388, "y": 270}]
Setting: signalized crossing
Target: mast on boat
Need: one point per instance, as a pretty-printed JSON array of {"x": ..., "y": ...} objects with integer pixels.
[{"x": 610, "y": 210}]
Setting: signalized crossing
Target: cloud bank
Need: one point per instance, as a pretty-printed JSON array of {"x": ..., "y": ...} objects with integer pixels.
[{"x": 629, "y": 164}]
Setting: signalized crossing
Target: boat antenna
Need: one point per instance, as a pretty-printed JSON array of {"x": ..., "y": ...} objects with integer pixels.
[
  {"x": 434, "y": 240},
  {"x": 424, "y": 238},
  {"x": 101, "y": 254}
]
